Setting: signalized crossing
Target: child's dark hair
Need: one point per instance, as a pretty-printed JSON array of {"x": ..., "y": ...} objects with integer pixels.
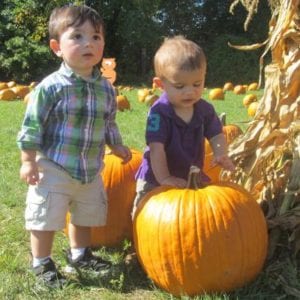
[{"x": 73, "y": 15}]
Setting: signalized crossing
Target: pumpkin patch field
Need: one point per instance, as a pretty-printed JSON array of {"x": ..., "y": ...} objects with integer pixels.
[{"x": 151, "y": 277}]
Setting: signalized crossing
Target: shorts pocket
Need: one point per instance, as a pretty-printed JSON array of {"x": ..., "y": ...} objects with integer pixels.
[{"x": 37, "y": 204}]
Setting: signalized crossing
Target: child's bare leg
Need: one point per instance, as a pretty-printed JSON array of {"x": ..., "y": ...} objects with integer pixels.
[
  {"x": 80, "y": 255},
  {"x": 41, "y": 243},
  {"x": 80, "y": 236}
]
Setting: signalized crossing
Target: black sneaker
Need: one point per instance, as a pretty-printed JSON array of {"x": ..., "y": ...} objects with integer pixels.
[
  {"x": 49, "y": 275},
  {"x": 87, "y": 262}
]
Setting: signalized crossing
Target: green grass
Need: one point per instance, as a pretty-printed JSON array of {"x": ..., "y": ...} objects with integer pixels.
[{"x": 17, "y": 282}]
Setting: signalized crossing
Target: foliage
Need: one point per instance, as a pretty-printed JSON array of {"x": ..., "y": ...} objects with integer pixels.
[
  {"x": 134, "y": 30},
  {"x": 25, "y": 55},
  {"x": 221, "y": 59}
]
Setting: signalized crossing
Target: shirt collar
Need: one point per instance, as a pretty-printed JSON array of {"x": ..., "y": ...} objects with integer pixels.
[
  {"x": 169, "y": 111},
  {"x": 68, "y": 72}
]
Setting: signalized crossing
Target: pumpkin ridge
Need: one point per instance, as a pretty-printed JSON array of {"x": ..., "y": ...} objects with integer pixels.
[
  {"x": 197, "y": 212},
  {"x": 242, "y": 266},
  {"x": 184, "y": 194},
  {"x": 162, "y": 228},
  {"x": 214, "y": 226}
]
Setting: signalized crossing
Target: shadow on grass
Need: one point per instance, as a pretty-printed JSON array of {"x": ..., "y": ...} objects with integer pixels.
[{"x": 125, "y": 276}]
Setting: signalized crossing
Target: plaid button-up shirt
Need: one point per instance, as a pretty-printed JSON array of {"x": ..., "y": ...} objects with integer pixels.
[{"x": 69, "y": 120}]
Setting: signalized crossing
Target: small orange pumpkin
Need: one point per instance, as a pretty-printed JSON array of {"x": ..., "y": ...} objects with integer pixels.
[
  {"x": 216, "y": 94},
  {"x": 248, "y": 99},
  {"x": 122, "y": 102},
  {"x": 253, "y": 86},
  {"x": 252, "y": 108},
  {"x": 142, "y": 94},
  {"x": 21, "y": 90},
  {"x": 228, "y": 86},
  {"x": 7, "y": 95},
  {"x": 239, "y": 89}
]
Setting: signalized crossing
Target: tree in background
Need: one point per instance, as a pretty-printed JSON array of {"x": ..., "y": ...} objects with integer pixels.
[
  {"x": 134, "y": 30},
  {"x": 24, "y": 51}
]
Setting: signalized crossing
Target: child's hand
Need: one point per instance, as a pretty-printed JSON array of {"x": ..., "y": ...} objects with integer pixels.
[
  {"x": 29, "y": 172},
  {"x": 225, "y": 162},
  {"x": 122, "y": 152},
  {"x": 174, "y": 181}
]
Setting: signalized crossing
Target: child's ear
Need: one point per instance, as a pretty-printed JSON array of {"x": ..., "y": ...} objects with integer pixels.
[
  {"x": 54, "y": 45},
  {"x": 158, "y": 82}
]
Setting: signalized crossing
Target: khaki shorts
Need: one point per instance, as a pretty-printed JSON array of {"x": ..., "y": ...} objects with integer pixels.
[
  {"x": 142, "y": 188},
  {"x": 48, "y": 202}
]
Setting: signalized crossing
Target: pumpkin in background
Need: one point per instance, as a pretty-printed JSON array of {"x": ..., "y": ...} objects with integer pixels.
[
  {"x": 228, "y": 86},
  {"x": 7, "y": 95},
  {"x": 10, "y": 84},
  {"x": 119, "y": 182},
  {"x": 253, "y": 86},
  {"x": 150, "y": 99},
  {"x": 21, "y": 90},
  {"x": 248, "y": 99},
  {"x": 122, "y": 103},
  {"x": 216, "y": 94},
  {"x": 142, "y": 94},
  {"x": 252, "y": 108},
  {"x": 200, "y": 240},
  {"x": 230, "y": 131},
  {"x": 239, "y": 89}
]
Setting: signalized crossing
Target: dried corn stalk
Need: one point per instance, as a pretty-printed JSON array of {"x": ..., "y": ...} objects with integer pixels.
[
  {"x": 263, "y": 154},
  {"x": 268, "y": 154}
]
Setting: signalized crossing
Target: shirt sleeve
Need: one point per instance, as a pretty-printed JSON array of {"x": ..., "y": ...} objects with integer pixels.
[
  {"x": 212, "y": 123},
  {"x": 112, "y": 132},
  {"x": 31, "y": 134},
  {"x": 156, "y": 127}
]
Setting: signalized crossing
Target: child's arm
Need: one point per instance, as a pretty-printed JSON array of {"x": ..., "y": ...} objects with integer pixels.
[
  {"x": 160, "y": 167},
  {"x": 29, "y": 170},
  {"x": 219, "y": 147},
  {"x": 121, "y": 151}
]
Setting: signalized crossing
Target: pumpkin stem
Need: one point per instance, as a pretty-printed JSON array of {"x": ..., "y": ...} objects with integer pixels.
[{"x": 194, "y": 178}]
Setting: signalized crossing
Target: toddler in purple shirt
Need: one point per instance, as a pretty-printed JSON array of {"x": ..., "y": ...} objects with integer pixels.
[{"x": 179, "y": 121}]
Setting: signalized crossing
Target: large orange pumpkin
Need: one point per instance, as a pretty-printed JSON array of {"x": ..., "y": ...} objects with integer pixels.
[
  {"x": 119, "y": 183},
  {"x": 231, "y": 131},
  {"x": 194, "y": 241}
]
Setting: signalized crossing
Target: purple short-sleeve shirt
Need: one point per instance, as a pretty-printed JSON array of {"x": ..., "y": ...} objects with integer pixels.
[{"x": 184, "y": 143}]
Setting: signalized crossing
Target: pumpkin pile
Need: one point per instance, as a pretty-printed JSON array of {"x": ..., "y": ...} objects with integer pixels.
[
  {"x": 200, "y": 240},
  {"x": 147, "y": 96},
  {"x": 11, "y": 90}
]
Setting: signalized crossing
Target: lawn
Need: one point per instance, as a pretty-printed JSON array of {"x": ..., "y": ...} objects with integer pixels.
[{"x": 17, "y": 282}]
